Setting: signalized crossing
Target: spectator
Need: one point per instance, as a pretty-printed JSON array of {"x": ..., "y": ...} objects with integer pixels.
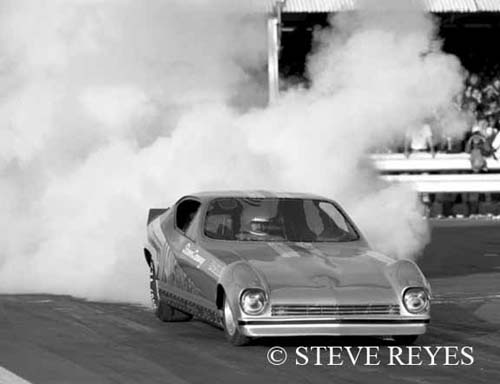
[
  {"x": 472, "y": 83},
  {"x": 471, "y": 111},
  {"x": 419, "y": 140},
  {"x": 495, "y": 146},
  {"x": 491, "y": 109},
  {"x": 490, "y": 131},
  {"x": 493, "y": 122},
  {"x": 477, "y": 95},
  {"x": 492, "y": 91},
  {"x": 478, "y": 147}
]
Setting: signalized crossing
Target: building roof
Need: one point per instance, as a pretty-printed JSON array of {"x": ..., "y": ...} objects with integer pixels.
[{"x": 437, "y": 6}]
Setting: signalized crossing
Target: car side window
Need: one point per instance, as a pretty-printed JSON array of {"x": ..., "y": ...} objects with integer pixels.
[
  {"x": 335, "y": 215},
  {"x": 186, "y": 212}
]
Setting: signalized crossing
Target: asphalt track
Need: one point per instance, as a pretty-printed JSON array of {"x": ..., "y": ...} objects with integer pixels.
[{"x": 59, "y": 339}]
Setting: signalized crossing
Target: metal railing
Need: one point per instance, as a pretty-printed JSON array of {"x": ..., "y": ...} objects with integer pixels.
[
  {"x": 424, "y": 162},
  {"x": 450, "y": 172}
]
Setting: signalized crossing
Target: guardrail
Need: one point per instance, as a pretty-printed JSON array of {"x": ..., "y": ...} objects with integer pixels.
[
  {"x": 449, "y": 183},
  {"x": 424, "y": 162},
  {"x": 413, "y": 172}
]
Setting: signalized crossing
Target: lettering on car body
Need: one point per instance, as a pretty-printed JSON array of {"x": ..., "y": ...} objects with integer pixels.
[
  {"x": 215, "y": 268},
  {"x": 193, "y": 254}
]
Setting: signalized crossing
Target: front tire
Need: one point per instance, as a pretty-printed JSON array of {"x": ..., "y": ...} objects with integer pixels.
[
  {"x": 405, "y": 339},
  {"x": 231, "y": 329},
  {"x": 161, "y": 309}
]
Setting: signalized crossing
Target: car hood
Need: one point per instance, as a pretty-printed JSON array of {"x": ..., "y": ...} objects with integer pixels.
[{"x": 321, "y": 273}]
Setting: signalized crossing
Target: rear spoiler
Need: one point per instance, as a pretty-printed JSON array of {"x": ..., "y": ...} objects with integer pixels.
[{"x": 155, "y": 212}]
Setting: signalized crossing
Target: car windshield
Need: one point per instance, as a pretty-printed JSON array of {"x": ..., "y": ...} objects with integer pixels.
[{"x": 277, "y": 219}]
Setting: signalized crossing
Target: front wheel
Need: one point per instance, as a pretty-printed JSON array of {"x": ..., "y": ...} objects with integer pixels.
[
  {"x": 161, "y": 309},
  {"x": 405, "y": 339},
  {"x": 231, "y": 329}
]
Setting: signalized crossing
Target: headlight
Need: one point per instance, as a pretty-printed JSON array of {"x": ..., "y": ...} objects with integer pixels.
[
  {"x": 416, "y": 300},
  {"x": 253, "y": 301}
]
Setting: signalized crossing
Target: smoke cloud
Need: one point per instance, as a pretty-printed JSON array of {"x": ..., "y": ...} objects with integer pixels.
[{"x": 109, "y": 107}]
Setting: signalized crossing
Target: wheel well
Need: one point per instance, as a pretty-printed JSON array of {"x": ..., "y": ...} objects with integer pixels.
[
  {"x": 219, "y": 301},
  {"x": 147, "y": 255}
]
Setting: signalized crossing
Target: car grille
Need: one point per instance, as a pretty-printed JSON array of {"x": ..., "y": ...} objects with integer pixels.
[{"x": 334, "y": 310}]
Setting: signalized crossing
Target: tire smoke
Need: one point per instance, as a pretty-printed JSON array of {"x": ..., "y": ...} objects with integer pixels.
[{"x": 109, "y": 107}]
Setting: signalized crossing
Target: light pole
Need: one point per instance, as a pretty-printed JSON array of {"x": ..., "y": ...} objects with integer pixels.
[
  {"x": 274, "y": 45},
  {"x": 278, "y": 10}
]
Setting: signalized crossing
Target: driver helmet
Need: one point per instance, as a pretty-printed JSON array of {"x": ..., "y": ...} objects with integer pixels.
[{"x": 259, "y": 226}]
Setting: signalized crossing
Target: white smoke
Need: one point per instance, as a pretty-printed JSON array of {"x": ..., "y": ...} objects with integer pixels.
[{"x": 110, "y": 107}]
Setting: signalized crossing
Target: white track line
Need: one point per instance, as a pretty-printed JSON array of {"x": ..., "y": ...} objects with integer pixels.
[{"x": 7, "y": 377}]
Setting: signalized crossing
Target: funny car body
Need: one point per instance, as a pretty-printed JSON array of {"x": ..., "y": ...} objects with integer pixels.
[{"x": 259, "y": 264}]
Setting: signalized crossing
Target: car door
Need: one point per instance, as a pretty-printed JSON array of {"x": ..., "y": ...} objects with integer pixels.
[
  {"x": 196, "y": 261},
  {"x": 188, "y": 274}
]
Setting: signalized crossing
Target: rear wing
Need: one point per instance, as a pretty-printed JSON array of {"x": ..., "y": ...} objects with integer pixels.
[{"x": 155, "y": 212}]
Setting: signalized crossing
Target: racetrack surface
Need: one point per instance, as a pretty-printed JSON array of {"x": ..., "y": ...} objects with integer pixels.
[{"x": 59, "y": 339}]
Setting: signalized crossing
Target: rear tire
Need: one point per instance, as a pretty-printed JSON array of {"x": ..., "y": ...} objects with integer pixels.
[
  {"x": 231, "y": 329},
  {"x": 405, "y": 339},
  {"x": 161, "y": 309}
]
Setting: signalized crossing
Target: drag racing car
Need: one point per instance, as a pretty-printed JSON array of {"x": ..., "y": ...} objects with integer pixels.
[{"x": 260, "y": 264}]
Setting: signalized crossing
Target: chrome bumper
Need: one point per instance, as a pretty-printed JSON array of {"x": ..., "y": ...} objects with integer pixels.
[{"x": 263, "y": 328}]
